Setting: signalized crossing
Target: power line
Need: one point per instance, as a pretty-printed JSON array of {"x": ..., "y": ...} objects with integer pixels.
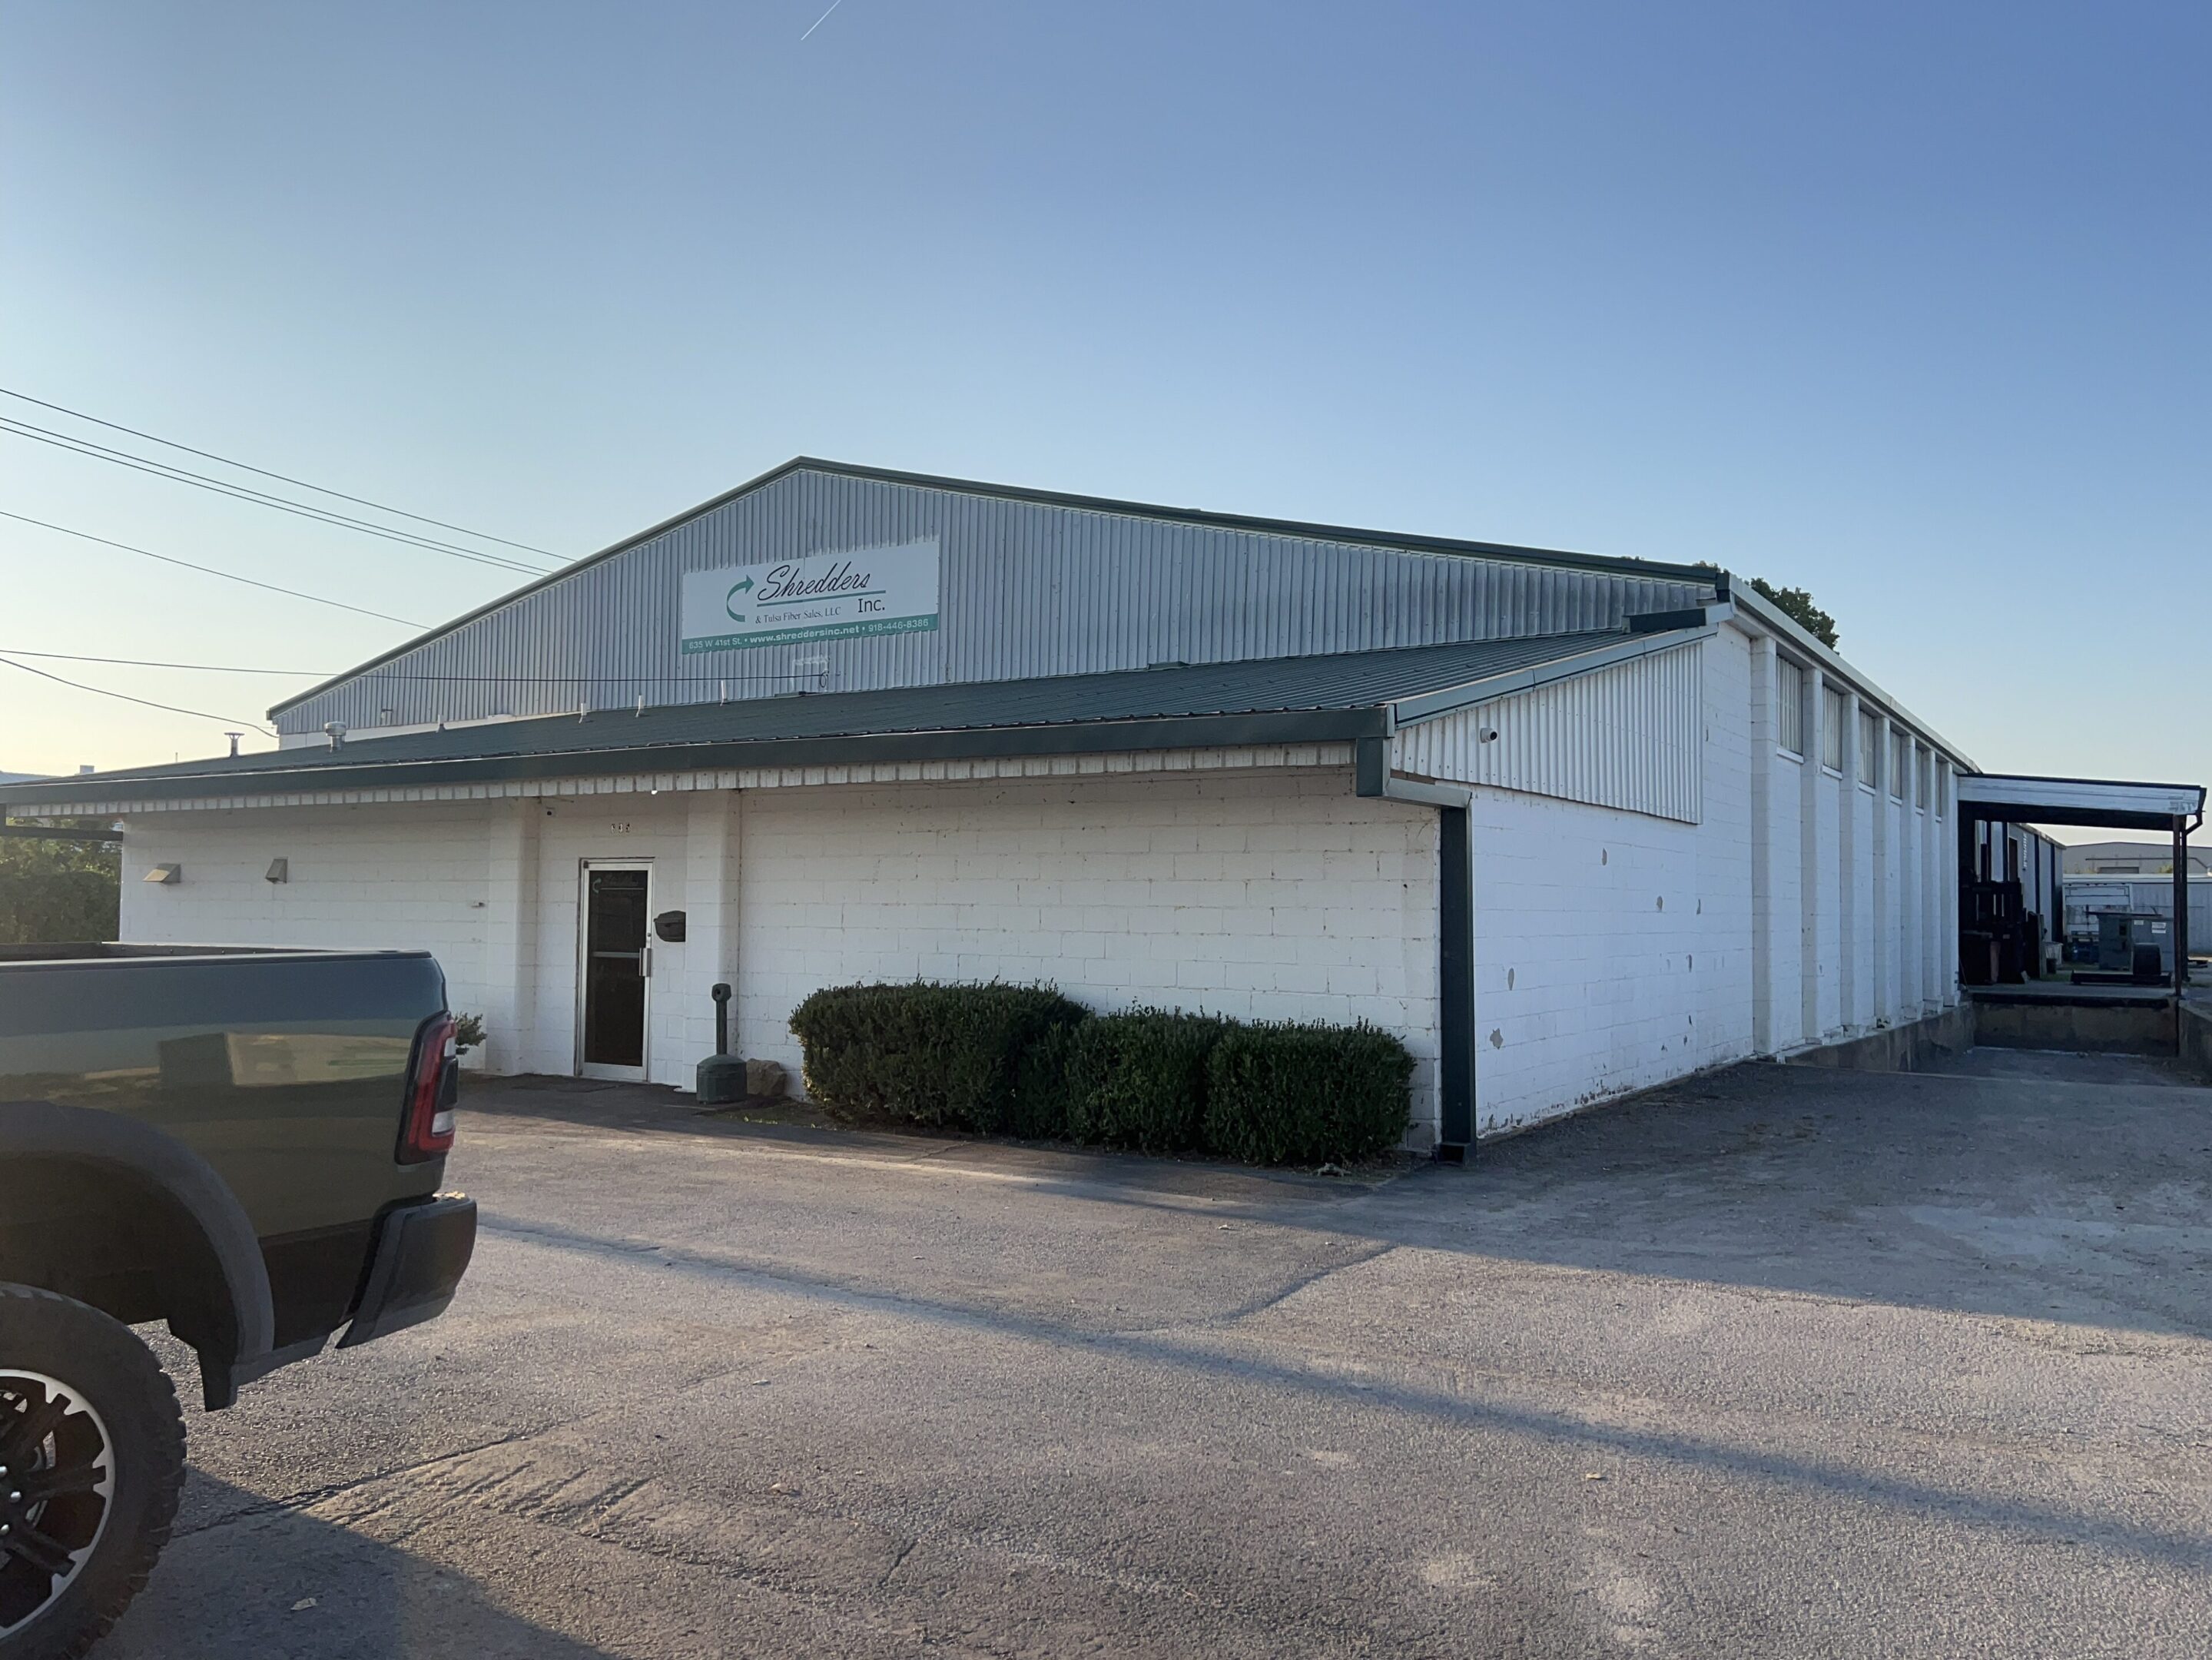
[
  {"x": 448, "y": 679},
  {"x": 145, "y": 663},
  {"x": 209, "y": 570},
  {"x": 85, "y": 447},
  {"x": 319, "y": 489},
  {"x": 143, "y": 702},
  {"x": 260, "y": 498}
]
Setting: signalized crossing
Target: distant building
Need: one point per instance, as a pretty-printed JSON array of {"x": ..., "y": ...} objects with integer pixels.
[
  {"x": 2131, "y": 859},
  {"x": 2089, "y": 895}
]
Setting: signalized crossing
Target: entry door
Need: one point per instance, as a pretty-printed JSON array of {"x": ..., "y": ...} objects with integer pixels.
[{"x": 615, "y": 970}]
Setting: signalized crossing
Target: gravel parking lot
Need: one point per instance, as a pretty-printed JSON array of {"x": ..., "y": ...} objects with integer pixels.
[{"x": 1777, "y": 1362}]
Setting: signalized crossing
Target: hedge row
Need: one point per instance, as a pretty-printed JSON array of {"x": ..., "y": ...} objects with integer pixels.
[
  {"x": 1024, "y": 1061},
  {"x": 946, "y": 1056}
]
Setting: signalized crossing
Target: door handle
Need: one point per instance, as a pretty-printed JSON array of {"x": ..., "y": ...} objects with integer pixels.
[{"x": 646, "y": 956}]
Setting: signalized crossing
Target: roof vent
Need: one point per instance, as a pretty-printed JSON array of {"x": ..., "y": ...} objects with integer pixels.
[{"x": 334, "y": 730}]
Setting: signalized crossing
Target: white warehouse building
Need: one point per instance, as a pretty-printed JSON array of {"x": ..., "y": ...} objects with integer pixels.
[{"x": 1569, "y": 826}]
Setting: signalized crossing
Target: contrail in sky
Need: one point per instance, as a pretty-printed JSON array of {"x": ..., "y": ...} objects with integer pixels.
[{"x": 824, "y": 18}]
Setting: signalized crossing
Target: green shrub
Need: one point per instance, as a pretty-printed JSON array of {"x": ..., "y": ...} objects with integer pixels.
[
  {"x": 1040, "y": 1105},
  {"x": 1306, "y": 1094},
  {"x": 943, "y": 1055},
  {"x": 1138, "y": 1079}
]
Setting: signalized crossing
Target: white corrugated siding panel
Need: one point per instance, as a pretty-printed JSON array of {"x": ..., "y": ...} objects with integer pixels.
[
  {"x": 1028, "y": 589},
  {"x": 1629, "y": 737}
]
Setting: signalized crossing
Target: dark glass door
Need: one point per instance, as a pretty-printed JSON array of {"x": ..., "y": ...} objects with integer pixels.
[{"x": 614, "y": 967}]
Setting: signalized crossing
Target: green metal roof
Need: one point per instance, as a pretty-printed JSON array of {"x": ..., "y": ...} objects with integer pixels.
[{"x": 1273, "y": 700}]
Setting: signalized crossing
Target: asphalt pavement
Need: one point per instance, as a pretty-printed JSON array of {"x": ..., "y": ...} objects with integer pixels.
[{"x": 1776, "y": 1362}]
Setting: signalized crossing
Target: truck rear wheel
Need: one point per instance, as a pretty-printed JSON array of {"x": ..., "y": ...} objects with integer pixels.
[{"x": 92, "y": 1457}]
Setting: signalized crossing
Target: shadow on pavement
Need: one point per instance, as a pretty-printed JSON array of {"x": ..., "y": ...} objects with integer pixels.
[
  {"x": 233, "y": 1590},
  {"x": 2027, "y": 1198},
  {"x": 1220, "y": 1358}
]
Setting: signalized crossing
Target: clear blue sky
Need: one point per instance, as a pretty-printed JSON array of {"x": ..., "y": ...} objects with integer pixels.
[{"x": 1906, "y": 304}]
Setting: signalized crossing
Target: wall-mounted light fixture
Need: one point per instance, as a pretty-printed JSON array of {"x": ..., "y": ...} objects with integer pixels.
[
  {"x": 167, "y": 875},
  {"x": 280, "y": 870}
]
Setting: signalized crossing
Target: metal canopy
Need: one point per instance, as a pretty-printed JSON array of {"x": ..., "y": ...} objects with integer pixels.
[
  {"x": 2112, "y": 804},
  {"x": 2017, "y": 798}
]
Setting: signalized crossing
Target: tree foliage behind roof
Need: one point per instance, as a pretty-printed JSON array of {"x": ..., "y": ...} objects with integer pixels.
[
  {"x": 1797, "y": 604},
  {"x": 56, "y": 891}
]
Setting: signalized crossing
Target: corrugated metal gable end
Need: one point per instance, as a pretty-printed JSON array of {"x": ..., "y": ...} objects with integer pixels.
[
  {"x": 1628, "y": 737},
  {"x": 1030, "y": 589}
]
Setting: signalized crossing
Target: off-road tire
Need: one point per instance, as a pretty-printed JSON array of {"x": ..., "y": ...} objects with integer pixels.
[{"x": 103, "y": 1362}]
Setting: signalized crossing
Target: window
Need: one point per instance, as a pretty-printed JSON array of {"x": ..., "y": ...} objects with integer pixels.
[
  {"x": 1941, "y": 775},
  {"x": 1789, "y": 704},
  {"x": 1832, "y": 716},
  {"x": 1923, "y": 771},
  {"x": 1900, "y": 758},
  {"x": 1869, "y": 750}
]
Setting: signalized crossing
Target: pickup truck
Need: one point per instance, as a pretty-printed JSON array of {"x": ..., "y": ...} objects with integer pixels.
[{"x": 246, "y": 1144}]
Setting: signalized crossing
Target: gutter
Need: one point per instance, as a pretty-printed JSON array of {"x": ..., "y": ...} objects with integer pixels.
[
  {"x": 957, "y": 743},
  {"x": 1372, "y": 778}
]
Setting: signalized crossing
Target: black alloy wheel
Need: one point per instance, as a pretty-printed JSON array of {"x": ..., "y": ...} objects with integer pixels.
[
  {"x": 57, "y": 1492},
  {"x": 92, "y": 1460}
]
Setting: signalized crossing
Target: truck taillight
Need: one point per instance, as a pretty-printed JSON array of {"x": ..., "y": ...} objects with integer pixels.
[{"x": 433, "y": 1082}]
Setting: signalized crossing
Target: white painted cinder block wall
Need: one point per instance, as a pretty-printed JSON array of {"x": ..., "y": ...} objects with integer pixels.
[
  {"x": 1264, "y": 896},
  {"x": 1610, "y": 956},
  {"x": 370, "y": 877},
  {"x": 1616, "y": 950},
  {"x": 1261, "y": 896},
  {"x": 1612, "y": 948}
]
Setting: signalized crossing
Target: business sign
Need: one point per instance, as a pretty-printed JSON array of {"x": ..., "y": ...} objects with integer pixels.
[{"x": 823, "y": 595}]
